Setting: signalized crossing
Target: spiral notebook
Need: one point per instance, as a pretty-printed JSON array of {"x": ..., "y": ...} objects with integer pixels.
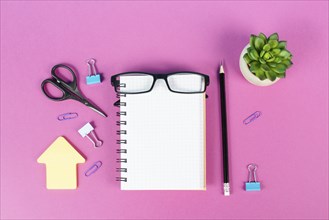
[{"x": 162, "y": 140}]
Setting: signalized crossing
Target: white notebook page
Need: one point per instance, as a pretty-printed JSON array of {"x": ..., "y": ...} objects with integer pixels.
[{"x": 165, "y": 140}]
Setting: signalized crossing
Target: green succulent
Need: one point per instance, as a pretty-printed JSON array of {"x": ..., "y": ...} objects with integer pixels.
[{"x": 268, "y": 58}]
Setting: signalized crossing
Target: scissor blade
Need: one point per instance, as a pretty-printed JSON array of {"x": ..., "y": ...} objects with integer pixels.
[
  {"x": 95, "y": 108},
  {"x": 98, "y": 111},
  {"x": 76, "y": 95}
]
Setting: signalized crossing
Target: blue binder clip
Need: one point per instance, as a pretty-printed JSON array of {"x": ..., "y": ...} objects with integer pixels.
[
  {"x": 93, "y": 77},
  {"x": 252, "y": 185}
]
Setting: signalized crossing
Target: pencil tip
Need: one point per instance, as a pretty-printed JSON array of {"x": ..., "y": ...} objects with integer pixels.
[{"x": 221, "y": 68}]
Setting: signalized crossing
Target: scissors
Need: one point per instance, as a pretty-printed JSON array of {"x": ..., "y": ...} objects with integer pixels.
[{"x": 69, "y": 89}]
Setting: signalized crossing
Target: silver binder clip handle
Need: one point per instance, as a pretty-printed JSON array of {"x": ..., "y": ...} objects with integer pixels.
[
  {"x": 91, "y": 67},
  {"x": 96, "y": 142},
  {"x": 252, "y": 172}
]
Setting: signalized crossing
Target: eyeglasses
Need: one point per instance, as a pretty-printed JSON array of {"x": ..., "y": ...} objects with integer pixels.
[{"x": 178, "y": 82}]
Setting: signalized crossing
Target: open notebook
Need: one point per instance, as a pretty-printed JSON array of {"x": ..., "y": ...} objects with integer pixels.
[{"x": 162, "y": 140}]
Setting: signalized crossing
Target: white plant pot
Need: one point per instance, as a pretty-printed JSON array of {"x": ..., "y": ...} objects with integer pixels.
[{"x": 249, "y": 75}]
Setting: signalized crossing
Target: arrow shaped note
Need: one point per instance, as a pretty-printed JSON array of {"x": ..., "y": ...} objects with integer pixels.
[{"x": 61, "y": 161}]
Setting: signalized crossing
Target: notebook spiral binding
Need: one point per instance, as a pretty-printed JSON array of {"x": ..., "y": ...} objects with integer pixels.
[{"x": 121, "y": 151}]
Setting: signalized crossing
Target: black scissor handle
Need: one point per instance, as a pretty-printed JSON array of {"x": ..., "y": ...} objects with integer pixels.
[
  {"x": 53, "y": 82},
  {"x": 72, "y": 85}
]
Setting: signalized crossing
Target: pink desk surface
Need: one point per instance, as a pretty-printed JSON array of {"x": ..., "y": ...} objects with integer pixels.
[{"x": 289, "y": 141}]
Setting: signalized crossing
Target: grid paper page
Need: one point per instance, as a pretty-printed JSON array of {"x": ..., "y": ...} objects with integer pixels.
[{"x": 165, "y": 140}]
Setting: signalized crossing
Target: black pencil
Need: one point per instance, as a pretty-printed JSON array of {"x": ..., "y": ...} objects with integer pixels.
[{"x": 224, "y": 130}]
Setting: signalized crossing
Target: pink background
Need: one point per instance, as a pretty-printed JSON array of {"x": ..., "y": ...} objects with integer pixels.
[{"x": 289, "y": 141}]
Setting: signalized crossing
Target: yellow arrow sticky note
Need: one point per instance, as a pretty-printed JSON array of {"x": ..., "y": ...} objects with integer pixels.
[{"x": 61, "y": 161}]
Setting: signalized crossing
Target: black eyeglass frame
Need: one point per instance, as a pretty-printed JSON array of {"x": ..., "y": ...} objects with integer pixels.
[{"x": 116, "y": 83}]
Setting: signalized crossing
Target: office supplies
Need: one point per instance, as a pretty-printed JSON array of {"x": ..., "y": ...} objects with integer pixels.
[
  {"x": 93, "y": 77},
  {"x": 252, "y": 185},
  {"x": 252, "y": 117},
  {"x": 61, "y": 161},
  {"x": 224, "y": 130},
  {"x": 88, "y": 129},
  {"x": 93, "y": 168},
  {"x": 69, "y": 89},
  {"x": 162, "y": 130},
  {"x": 67, "y": 116}
]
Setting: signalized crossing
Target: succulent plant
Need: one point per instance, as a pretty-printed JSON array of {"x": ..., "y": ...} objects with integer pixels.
[{"x": 268, "y": 58}]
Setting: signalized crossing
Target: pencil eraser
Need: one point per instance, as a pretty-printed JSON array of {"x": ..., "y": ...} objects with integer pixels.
[
  {"x": 93, "y": 79},
  {"x": 253, "y": 186},
  {"x": 226, "y": 189}
]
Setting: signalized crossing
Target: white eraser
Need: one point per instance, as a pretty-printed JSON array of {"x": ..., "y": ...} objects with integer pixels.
[
  {"x": 86, "y": 129},
  {"x": 226, "y": 189}
]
